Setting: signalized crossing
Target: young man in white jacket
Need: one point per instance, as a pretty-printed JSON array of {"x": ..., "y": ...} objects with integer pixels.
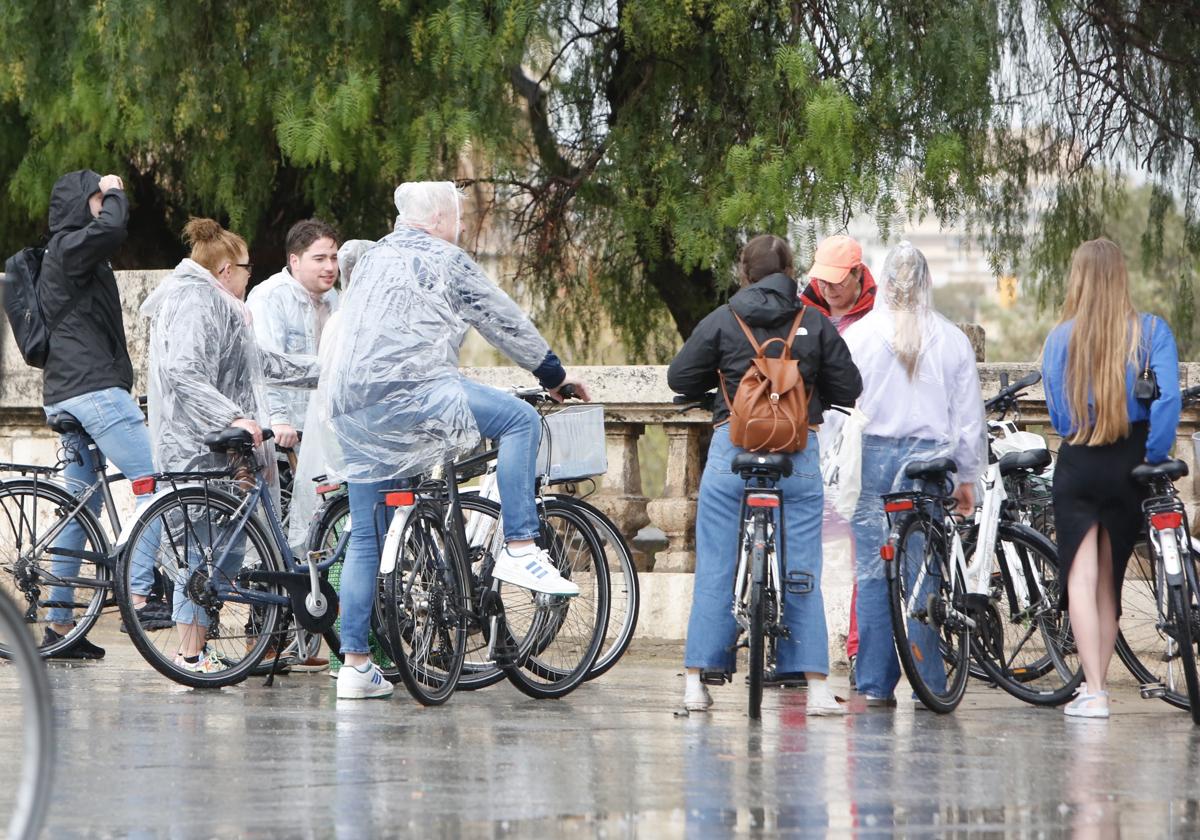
[{"x": 290, "y": 311}]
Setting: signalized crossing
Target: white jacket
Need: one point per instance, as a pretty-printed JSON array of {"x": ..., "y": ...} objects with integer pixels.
[{"x": 285, "y": 321}]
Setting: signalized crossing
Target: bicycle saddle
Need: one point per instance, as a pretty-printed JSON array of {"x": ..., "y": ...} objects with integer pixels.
[
  {"x": 229, "y": 439},
  {"x": 1172, "y": 470},
  {"x": 64, "y": 423},
  {"x": 930, "y": 470},
  {"x": 1034, "y": 460},
  {"x": 776, "y": 466}
]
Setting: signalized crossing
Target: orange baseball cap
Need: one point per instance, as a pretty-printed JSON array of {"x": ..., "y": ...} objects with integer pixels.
[{"x": 834, "y": 258}]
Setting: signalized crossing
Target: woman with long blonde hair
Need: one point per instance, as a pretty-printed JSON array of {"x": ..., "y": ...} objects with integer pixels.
[{"x": 1090, "y": 364}]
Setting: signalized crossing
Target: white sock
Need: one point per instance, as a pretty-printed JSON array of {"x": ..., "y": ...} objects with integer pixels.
[
  {"x": 364, "y": 668},
  {"x": 691, "y": 683},
  {"x": 522, "y": 551}
]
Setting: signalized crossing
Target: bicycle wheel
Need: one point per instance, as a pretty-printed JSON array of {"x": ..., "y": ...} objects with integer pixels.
[
  {"x": 563, "y": 635},
  {"x": 425, "y": 604},
  {"x": 1147, "y": 648},
  {"x": 28, "y": 720},
  {"x": 30, "y": 517},
  {"x": 1181, "y": 623},
  {"x": 189, "y": 537},
  {"x": 1022, "y": 640},
  {"x": 623, "y": 588},
  {"x": 932, "y": 638},
  {"x": 758, "y": 616}
]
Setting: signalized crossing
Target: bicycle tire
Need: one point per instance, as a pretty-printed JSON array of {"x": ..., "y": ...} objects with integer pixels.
[
  {"x": 624, "y": 600},
  {"x": 1047, "y": 675},
  {"x": 758, "y": 617},
  {"x": 32, "y": 796},
  {"x": 1142, "y": 643},
  {"x": 429, "y": 581},
  {"x": 1182, "y": 617},
  {"x": 18, "y": 523},
  {"x": 171, "y": 510},
  {"x": 545, "y": 673},
  {"x": 953, "y": 642}
]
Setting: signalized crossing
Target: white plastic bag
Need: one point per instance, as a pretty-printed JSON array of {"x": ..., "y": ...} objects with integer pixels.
[{"x": 841, "y": 465}]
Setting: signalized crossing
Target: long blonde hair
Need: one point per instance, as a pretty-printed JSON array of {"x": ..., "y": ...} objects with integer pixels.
[{"x": 1104, "y": 341}]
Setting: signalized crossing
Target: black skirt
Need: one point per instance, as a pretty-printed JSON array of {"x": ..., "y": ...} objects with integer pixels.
[{"x": 1092, "y": 486}]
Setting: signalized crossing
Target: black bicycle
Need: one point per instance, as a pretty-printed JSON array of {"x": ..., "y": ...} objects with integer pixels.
[
  {"x": 216, "y": 537},
  {"x": 36, "y": 570}
]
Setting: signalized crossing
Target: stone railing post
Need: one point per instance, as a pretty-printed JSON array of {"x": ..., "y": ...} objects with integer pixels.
[
  {"x": 621, "y": 495},
  {"x": 675, "y": 513}
]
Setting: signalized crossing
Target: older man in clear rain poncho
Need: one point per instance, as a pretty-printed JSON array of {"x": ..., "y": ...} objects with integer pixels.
[
  {"x": 395, "y": 404},
  {"x": 921, "y": 393},
  {"x": 207, "y": 373}
]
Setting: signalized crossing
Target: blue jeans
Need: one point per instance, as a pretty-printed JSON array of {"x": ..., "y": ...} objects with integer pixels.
[
  {"x": 712, "y": 629},
  {"x": 115, "y": 423},
  {"x": 202, "y": 535},
  {"x": 877, "y": 668},
  {"x": 500, "y": 417}
]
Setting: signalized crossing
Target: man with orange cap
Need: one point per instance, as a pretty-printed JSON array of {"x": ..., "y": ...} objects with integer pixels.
[{"x": 841, "y": 286}]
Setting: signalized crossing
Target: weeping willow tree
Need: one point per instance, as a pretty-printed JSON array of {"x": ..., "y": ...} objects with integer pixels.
[{"x": 628, "y": 146}]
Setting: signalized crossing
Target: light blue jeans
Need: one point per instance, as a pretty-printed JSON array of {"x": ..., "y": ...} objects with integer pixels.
[
  {"x": 877, "y": 668},
  {"x": 116, "y": 424},
  {"x": 201, "y": 535},
  {"x": 712, "y": 629},
  {"x": 501, "y": 417}
]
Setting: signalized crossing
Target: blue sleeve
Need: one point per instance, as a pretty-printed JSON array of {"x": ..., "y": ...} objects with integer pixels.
[
  {"x": 1054, "y": 364},
  {"x": 1164, "y": 411}
]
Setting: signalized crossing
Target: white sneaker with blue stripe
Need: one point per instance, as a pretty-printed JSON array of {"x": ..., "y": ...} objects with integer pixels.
[
  {"x": 531, "y": 568},
  {"x": 353, "y": 684}
]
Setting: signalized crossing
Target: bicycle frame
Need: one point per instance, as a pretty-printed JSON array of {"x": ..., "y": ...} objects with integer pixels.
[{"x": 757, "y": 503}]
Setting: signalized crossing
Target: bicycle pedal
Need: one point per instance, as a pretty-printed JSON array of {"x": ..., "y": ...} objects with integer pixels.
[
  {"x": 1152, "y": 691},
  {"x": 715, "y": 677}
]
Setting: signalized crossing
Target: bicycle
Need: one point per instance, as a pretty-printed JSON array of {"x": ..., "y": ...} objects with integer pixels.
[
  {"x": 35, "y": 510},
  {"x": 222, "y": 548},
  {"x": 758, "y": 585},
  {"x": 439, "y": 592},
  {"x": 24, "y": 686},
  {"x": 946, "y": 611}
]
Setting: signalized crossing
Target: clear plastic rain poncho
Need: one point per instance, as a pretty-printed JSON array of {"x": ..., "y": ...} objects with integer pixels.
[
  {"x": 392, "y": 398},
  {"x": 311, "y": 462},
  {"x": 920, "y": 385},
  {"x": 206, "y": 369}
]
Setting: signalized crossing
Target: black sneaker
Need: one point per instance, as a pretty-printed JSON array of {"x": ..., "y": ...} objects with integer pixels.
[
  {"x": 80, "y": 649},
  {"x": 153, "y": 615}
]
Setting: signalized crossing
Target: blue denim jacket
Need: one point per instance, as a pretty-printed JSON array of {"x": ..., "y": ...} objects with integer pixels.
[{"x": 1163, "y": 413}]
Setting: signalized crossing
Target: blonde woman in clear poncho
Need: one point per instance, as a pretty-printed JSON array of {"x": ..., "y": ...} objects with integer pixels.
[
  {"x": 394, "y": 404},
  {"x": 921, "y": 391},
  {"x": 207, "y": 373}
]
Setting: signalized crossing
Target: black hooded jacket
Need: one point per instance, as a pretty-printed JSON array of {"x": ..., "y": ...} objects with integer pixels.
[
  {"x": 87, "y": 349},
  {"x": 768, "y": 307}
]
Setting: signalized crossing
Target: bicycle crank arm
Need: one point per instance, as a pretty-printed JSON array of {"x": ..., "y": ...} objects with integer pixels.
[{"x": 315, "y": 618}]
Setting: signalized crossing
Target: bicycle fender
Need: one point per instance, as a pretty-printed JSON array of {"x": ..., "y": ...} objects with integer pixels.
[{"x": 391, "y": 543}]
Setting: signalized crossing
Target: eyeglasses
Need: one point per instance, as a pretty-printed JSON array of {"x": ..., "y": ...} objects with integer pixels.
[{"x": 248, "y": 266}]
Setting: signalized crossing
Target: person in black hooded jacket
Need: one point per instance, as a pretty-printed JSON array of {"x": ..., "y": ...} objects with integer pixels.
[
  {"x": 88, "y": 375},
  {"x": 718, "y": 350}
]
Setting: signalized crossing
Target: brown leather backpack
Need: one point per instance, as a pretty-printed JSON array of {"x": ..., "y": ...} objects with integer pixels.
[{"x": 769, "y": 410}]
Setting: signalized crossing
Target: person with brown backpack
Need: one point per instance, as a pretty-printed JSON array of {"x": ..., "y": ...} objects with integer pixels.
[{"x": 778, "y": 364}]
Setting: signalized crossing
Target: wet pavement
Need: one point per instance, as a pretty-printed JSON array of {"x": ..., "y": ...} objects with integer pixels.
[{"x": 140, "y": 757}]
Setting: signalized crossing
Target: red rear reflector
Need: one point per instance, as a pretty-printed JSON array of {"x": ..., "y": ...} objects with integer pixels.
[
  {"x": 1166, "y": 521},
  {"x": 899, "y": 504},
  {"x": 322, "y": 489},
  {"x": 402, "y": 498},
  {"x": 887, "y": 551},
  {"x": 762, "y": 500},
  {"x": 142, "y": 486}
]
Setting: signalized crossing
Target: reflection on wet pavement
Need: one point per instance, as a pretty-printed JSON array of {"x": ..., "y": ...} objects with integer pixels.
[{"x": 139, "y": 757}]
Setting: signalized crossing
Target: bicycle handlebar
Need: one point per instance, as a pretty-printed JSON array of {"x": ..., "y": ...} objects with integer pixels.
[{"x": 1009, "y": 393}]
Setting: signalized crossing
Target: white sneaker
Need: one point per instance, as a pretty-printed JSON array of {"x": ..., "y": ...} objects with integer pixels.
[
  {"x": 696, "y": 698},
  {"x": 353, "y": 684},
  {"x": 821, "y": 701},
  {"x": 208, "y": 663},
  {"x": 532, "y": 570}
]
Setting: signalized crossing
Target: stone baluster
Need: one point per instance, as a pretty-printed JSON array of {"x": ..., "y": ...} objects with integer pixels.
[
  {"x": 675, "y": 513},
  {"x": 621, "y": 495}
]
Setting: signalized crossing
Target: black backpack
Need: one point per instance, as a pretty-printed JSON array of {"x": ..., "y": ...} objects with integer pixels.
[{"x": 30, "y": 328}]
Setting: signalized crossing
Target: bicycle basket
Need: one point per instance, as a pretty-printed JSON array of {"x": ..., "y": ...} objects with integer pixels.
[{"x": 573, "y": 444}]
